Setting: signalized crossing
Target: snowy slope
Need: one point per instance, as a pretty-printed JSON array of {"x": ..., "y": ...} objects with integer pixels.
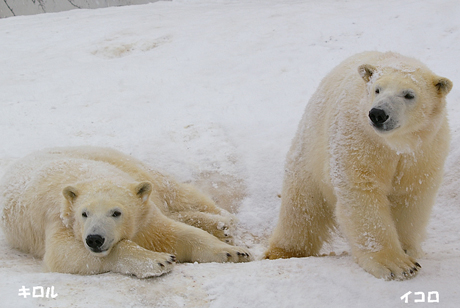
[{"x": 216, "y": 87}]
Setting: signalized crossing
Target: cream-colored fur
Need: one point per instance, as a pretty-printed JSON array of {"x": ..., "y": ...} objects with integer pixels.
[
  {"x": 369, "y": 155},
  {"x": 89, "y": 210}
]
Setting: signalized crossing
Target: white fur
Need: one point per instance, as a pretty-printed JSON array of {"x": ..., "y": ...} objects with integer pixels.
[
  {"x": 89, "y": 210},
  {"x": 377, "y": 183}
]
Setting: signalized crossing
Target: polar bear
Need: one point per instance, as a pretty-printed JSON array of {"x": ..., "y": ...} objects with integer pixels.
[
  {"x": 89, "y": 210},
  {"x": 368, "y": 155}
]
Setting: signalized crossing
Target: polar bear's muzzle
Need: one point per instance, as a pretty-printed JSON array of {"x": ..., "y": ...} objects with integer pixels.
[
  {"x": 100, "y": 229},
  {"x": 385, "y": 117},
  {"x": 378, "y": 117},
  {"x": 98, "y": 245},
  {"x": 381, "y": 120},
  {"x": 95, "y": 242},
  {"x": 98, "y": 240}
]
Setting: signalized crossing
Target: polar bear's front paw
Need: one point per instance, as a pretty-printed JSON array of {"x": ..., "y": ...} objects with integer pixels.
[
  {"x": 390, "y": 265},
  {"x": 226, "y": 253},
  {"x": 162, "y": 264},
  {"x": 146, "y": 264}
]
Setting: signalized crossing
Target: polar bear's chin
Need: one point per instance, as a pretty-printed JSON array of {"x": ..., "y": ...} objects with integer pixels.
[
  {"x": 99, "y": 253},
  {"x": 385, "y": 129}
]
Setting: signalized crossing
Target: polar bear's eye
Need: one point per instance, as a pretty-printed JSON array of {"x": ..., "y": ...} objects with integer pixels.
[
  {"x": 377, "y": 91},
  {"x": 409, "y": 96},
  {"x": 84, "y": 214},
  {"x": 116, "y": 214}
]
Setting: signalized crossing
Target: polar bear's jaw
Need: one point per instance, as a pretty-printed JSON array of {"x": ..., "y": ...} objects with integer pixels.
[{"x": 100, "y": 254}]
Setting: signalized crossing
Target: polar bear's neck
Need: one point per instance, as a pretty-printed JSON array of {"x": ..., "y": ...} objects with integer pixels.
[{"x": 405, "y": 144}]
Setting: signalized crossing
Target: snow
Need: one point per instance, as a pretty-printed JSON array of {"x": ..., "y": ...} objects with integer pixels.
[{"x": 216, "y": 87}]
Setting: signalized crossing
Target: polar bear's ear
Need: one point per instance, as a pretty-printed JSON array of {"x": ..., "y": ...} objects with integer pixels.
[
  {"x": 143, "y": 190},
  {"x": 366, "y": 71},
  {"x": 443, "y": 85},
  {"x": 70, "y": 193}
]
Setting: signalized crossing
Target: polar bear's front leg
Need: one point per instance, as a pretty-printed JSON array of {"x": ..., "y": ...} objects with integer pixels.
[
  {"x": 365, "y": 217},
  {"x": 65, "y": 254},
  {"x": 305, "y": 218},
  {"x": 411, "y": 215}
]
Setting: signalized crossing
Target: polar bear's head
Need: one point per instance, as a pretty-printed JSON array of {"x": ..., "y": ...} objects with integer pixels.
[
  {"x": 404, "y": 101},
  {"x": 103, "y": 213}
]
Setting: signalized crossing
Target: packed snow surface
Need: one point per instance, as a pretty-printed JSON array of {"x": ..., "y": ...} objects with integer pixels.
[{"x": 217, "y": 88}]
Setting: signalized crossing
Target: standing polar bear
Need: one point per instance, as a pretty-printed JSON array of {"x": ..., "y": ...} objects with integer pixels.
[
  {"x": 89, "y": 210},
  {"x": 369, "y": 151}
]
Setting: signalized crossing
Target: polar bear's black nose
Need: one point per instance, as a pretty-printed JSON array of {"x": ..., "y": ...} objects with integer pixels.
[
  {"x": 95, "y": 241},
  {"x": 378, "y": 116}
]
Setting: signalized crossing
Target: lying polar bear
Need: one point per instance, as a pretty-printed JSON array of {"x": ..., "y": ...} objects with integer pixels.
[{"x": 89, "y": 210}]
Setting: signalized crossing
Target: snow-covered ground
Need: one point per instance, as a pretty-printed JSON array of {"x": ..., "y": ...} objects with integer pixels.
[{"x": 217, "y": 87}]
